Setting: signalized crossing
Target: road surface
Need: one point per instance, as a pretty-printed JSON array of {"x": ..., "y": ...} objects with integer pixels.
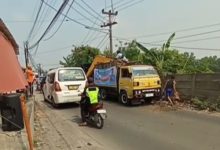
[{"x": 146, "y": 127}]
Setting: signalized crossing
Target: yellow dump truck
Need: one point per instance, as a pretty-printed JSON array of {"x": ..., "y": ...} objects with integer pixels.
[{"x": 131, "y": 83}]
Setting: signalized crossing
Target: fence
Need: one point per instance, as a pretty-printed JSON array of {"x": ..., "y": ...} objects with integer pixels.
[{"x": 198, "y": 85}]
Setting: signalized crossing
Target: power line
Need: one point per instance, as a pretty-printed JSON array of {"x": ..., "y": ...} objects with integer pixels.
[
  {"x": 84, "y": 16},
  {"x": 183, "y": 47},
  {"x": 92, "y": 36},
  {"x": 197, "y": 48},
  {"x": 103, "y": 44},
  {"x": 196, "y": 40},
  {"x": 175, "y": 46},
  {"x": 54, "y": 50},
  {"x": 35, "y": 21},
  {"x": 91, "y": 9},
  {"x": 61, "y": 22},
  {"x": 102, "y": 40},
  {"x": 97, "y": 17},
  {"x": 188, "y": 36},
  {"x": 52, "y": 22},
  {"x": 71, "y": 19},
  {"x": 130, "y": 5},
  {"x": 112, "y": 5},
  {"x": 179, "y": 30},
  {"x": 88, "y": 32},
  {"x": 115, "y": 4},
  {"x": 133, "y": 2},
  {"x": 43, "y": 17}
]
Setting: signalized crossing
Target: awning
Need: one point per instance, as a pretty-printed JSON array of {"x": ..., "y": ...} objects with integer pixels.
[{"x": 11, "y": 76}]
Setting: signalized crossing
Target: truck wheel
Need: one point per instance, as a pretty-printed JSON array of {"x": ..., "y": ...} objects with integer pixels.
[
  {"x": 124, "y": 98},
  {"x": 103, "y": 94}
]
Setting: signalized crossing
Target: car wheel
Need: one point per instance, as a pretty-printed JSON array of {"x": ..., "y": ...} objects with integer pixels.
[
  {"x": 44, "y": 96},
  {"x": 54, "y": 104}
]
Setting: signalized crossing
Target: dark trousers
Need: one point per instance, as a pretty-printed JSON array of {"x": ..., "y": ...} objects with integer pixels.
[
  {"x": 31, "y": 88},
  {"x": 85, "y": 104}
]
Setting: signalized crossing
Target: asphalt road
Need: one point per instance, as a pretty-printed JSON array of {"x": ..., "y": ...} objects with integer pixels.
[{"x": 146, "y": 127}]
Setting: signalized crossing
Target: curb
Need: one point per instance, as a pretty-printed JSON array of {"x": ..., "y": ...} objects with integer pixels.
[{"x": 22, "y": 133}]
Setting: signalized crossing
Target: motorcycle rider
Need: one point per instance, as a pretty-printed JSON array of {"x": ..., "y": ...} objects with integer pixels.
[{"x": 90, "y": 97}]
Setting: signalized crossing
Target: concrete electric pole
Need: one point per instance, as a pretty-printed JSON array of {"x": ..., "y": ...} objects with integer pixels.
[
  {"x": 26, "y": 53},
  {"x": 110, "y": 23}
]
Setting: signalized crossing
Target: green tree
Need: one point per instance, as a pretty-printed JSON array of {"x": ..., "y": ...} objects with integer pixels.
[{"x": 79, "y": 56}]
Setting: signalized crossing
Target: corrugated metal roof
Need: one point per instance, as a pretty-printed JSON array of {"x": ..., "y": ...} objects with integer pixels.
[{"x": 9, "y": 36}]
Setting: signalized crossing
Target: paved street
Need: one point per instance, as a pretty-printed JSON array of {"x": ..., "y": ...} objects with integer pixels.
[{"x": 144, "y": 127}]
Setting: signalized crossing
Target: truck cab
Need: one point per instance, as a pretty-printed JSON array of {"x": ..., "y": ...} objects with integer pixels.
[{"x": 138, "y": 82}]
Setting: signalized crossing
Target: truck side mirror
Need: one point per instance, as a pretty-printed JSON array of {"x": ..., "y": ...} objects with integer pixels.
[{"x": 130, "y": 75}]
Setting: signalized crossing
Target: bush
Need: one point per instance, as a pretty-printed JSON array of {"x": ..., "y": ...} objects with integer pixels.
[
  {"x": 202, "y": 104},
  {"x": 199, "y": 104}
]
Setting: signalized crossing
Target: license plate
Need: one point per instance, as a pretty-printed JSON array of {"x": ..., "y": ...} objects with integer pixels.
[
  {"x": 101, "y": 111},
  {"x": 72, "y": 87},
  {"x": 149, "y": 95}
]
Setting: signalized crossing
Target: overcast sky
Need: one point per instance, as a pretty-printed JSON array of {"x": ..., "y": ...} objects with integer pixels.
[{"x": 142, "y": 21}]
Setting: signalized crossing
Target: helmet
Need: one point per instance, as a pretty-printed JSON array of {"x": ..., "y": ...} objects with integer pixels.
[{"x": 90, "y": 80}]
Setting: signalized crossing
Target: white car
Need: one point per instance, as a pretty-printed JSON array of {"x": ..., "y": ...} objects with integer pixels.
[{"x": 64, "y": 85}]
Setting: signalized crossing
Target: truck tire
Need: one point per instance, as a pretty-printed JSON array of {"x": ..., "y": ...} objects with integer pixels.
[
  {"x": 103, "y": 94},
  {"x": 124, "y": 98}
]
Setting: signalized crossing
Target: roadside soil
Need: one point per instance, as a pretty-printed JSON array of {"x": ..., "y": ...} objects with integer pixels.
[{"x": 53, "y": 132}]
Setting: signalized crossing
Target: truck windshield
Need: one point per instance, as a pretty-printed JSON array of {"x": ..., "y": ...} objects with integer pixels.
[
  {"x": 144, "y": 71},
  {"x": 70, "y": 75}
]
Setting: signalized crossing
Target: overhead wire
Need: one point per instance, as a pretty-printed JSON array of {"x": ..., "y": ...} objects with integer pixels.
[
  {"x": 178, "y": 30},
  {"x": 188, "y": 36},
  {"x": 88, "y": 33},
  {"x": 92, "y": 9},
  {"x": 35, "y": 21},
  {"x": 101, "y": 41},
  {"x": 70, "y": 6},
  {"x": 129, "y": 5},
  {"x": 103, "y": 44},
  {"x": 97, "y": 17},
  {"x": 51, "y": 23},
  {"x": 47, "y": 13},
  {"x": 196, "y": 40},
  {"x": 112, "y": 5},
  {"x": 84, "y": 16},
  {"x": 74, "y": 20},
  {"x": 175, "y": 46},
  {"x": 115, "y": 4},
  {"x": 92, "y": 36}
]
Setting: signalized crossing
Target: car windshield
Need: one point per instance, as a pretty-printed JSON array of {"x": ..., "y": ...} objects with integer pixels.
[
  {"x": 71, "y": 75},
  {"x": 144, "y": 71}
]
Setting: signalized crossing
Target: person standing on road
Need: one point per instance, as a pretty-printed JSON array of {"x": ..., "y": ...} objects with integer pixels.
[
  {"x": 30, "y": 79},
  {"x": 170, "y": 88}
]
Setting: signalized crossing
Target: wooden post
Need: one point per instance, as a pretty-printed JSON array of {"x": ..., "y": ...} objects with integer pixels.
[{"x": 27, "y": 121}]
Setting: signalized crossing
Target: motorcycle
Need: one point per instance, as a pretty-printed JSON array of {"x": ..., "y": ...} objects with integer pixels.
[{"x": 95, "y": 115}]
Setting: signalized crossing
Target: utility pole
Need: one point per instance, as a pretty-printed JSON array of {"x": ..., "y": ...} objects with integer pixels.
[
  {"x": 39, "y": 69},
  {"x": 110, "y": 23},
  {"x": 26, "y": 53}
]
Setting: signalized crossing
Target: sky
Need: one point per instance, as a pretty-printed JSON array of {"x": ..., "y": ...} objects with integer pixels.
[{"x": 150, "y": 22}]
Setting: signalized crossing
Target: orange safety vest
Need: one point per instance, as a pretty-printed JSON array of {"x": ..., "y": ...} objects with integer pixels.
[{"x": 30, "y": 76}]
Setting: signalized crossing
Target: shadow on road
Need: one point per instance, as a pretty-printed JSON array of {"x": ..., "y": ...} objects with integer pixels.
[
  {"x": 61, "y": 106},
  {"x": 76, "y": 119}
]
